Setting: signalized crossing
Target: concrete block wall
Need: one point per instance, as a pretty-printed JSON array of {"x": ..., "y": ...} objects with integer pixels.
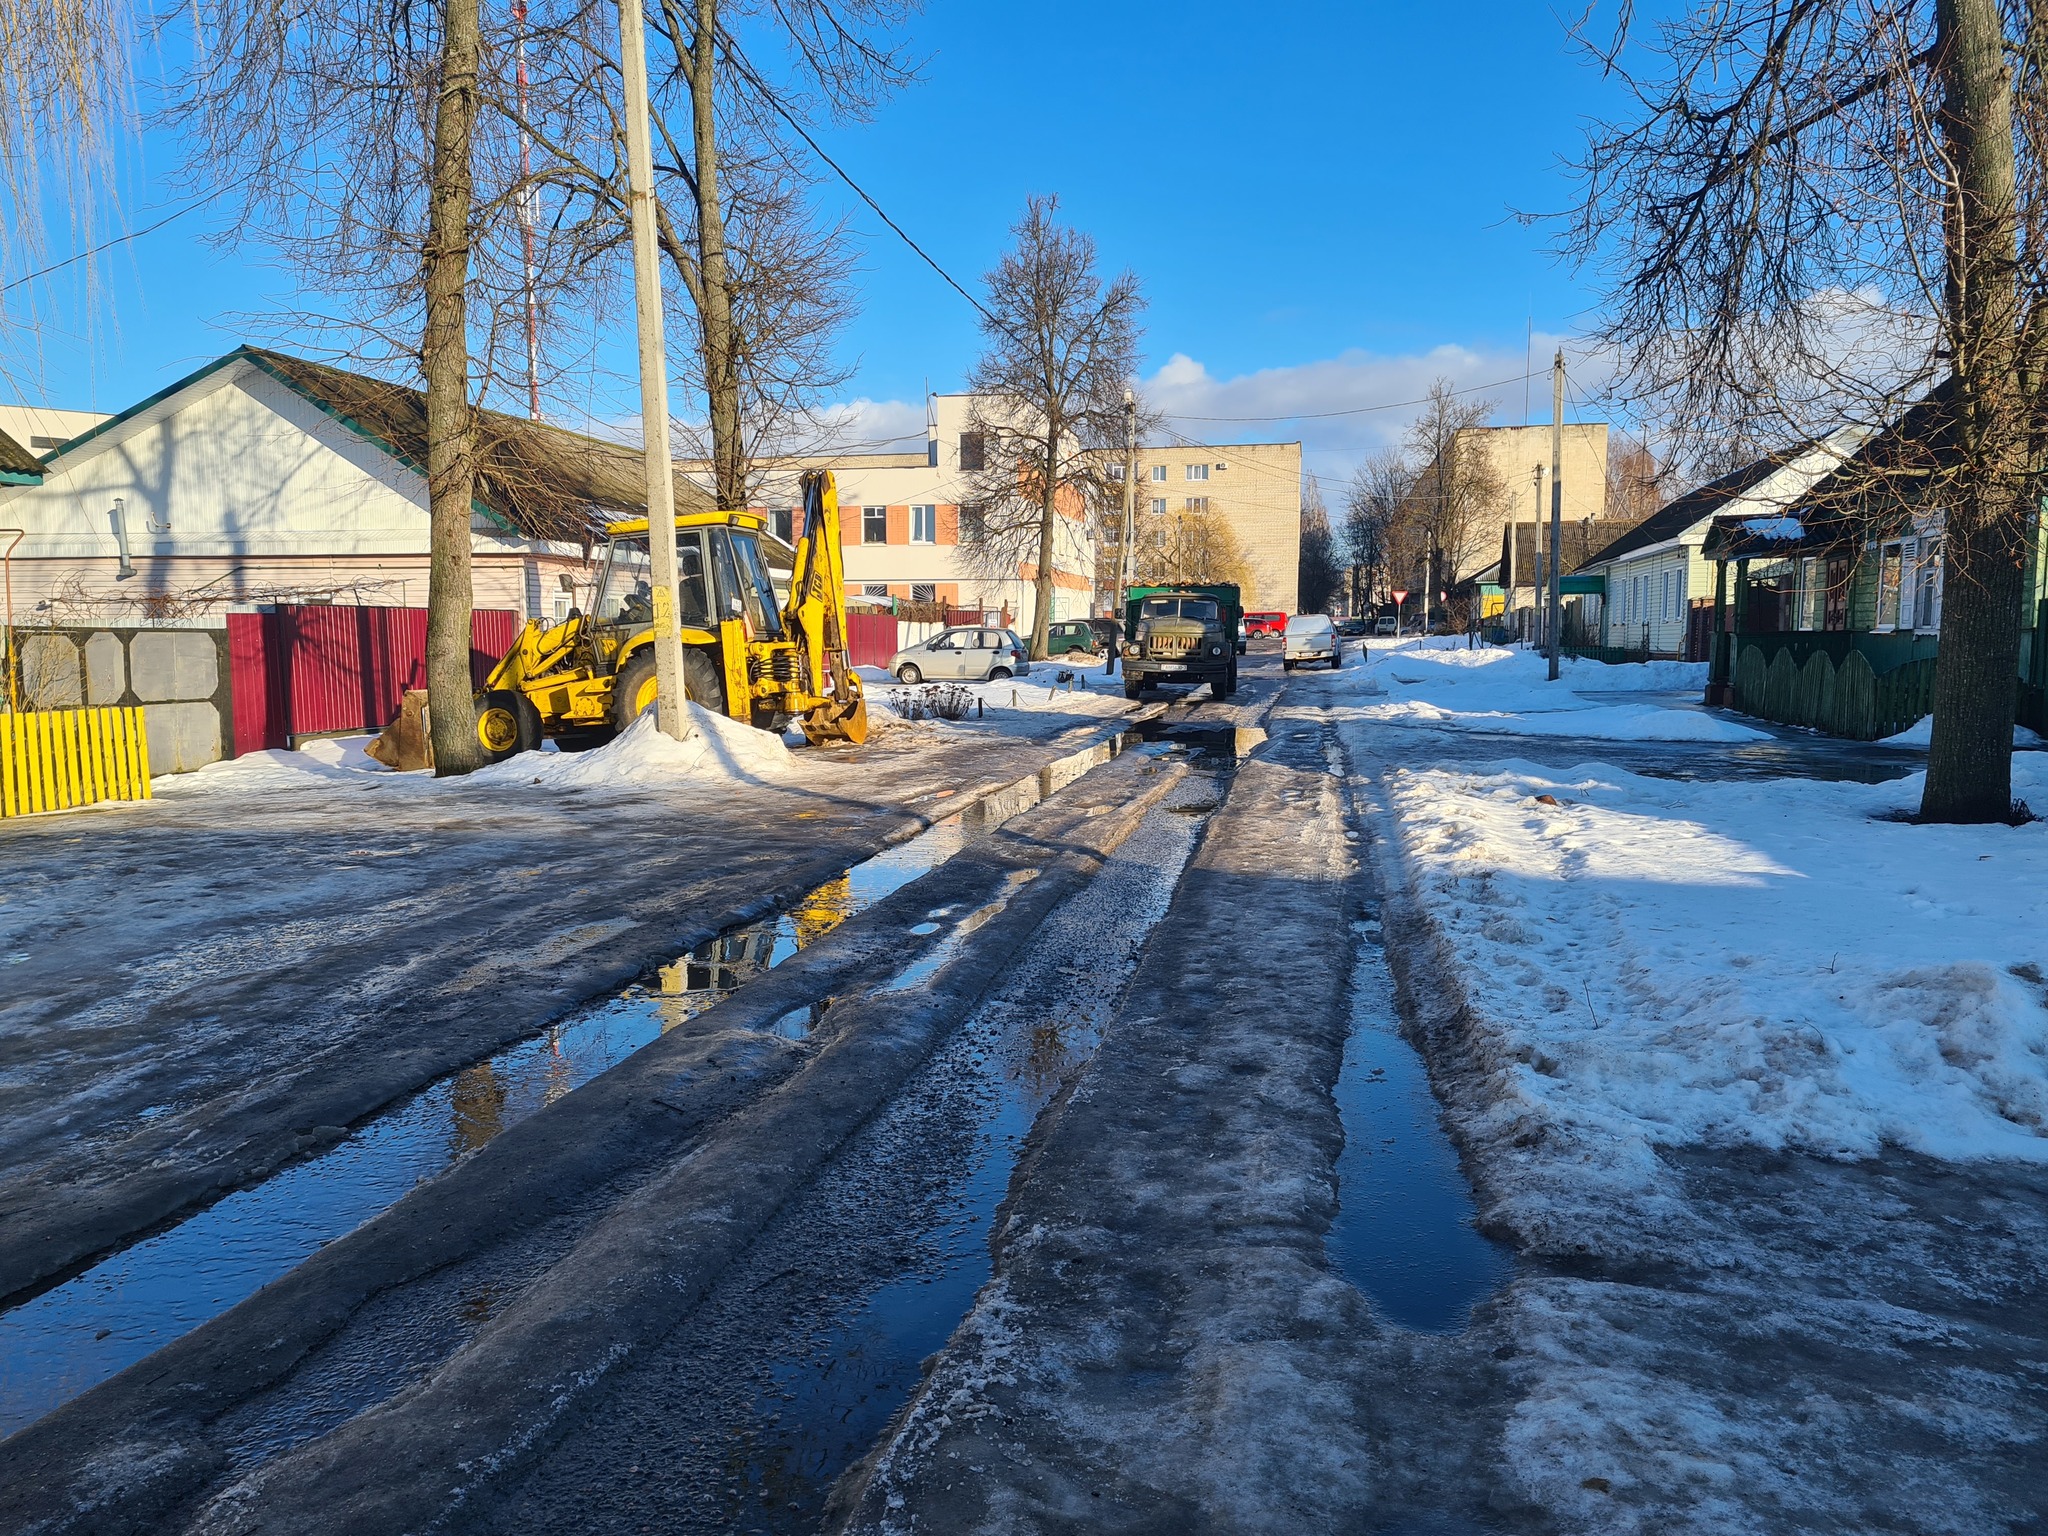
[{"x": 179, "y": 677}]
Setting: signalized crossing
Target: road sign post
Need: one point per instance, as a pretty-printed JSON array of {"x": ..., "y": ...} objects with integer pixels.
[{"x": 1400, "y": 597}]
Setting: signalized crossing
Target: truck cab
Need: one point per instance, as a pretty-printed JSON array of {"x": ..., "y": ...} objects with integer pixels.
[{"x": 1181, "y": 634}]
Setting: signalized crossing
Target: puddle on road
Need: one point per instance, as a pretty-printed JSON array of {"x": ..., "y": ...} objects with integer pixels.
[
  {"x": 76, "y": 1335},
  {"x": 1403, "y": 1232},
  {"x": 805, "y": 1354}
]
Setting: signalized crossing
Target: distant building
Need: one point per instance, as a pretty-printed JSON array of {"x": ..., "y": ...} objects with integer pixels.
[
  {"x": 1254, "y": 487},
  {"x": 900, "y": 526}
]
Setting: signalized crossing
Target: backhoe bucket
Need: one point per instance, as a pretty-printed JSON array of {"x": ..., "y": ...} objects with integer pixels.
[{"x": 838, "y": 720}]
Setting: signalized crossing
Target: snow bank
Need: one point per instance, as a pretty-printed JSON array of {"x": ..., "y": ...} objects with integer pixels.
[
  {"x": 1652, "y": 964},
  {"x": 1921, "y": 734},
  {"x": 719, "y": 748},
  {"x": 641, "y": 754},
  {"x": 1507, "y": 691}
]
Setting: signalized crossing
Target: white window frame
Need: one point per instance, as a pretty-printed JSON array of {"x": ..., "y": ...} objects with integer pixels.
[
  {"x": 924, "y": 523},
  {"x": 1159, "y": 473},
  {"x": 1197, "y": 471},
  {"x": 1159, "y": 506}
]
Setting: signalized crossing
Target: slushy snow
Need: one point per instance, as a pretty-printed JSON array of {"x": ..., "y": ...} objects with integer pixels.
[
  {"x": 1654, "y": 963},
  {"x": 1441, "y": 684}
]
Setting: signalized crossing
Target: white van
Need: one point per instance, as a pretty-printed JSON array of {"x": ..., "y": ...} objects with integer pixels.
[{"x": 1310, "y": 637}]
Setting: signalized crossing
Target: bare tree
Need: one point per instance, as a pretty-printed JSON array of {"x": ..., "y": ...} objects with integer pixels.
[
  {"x": 1446, "y": 516},
  {"x": 1812, "y": 213},
  {"x": 1319, "y": 573},
  {"x": 1634, "y": 489},
  {"x": 377, "y": 147},
  {"x": 1190, "y": 544},
  {"x": 1059, "y": 347},
  {"x": 763, "y": 281},
  {"x": 1379, "y": 489}
]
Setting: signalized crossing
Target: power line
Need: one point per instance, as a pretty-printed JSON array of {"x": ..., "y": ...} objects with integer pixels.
[
  {"x": 1356, "y": 410},
  {"x": 133, "y": 234},
  {"x": 739, "y": 62}
]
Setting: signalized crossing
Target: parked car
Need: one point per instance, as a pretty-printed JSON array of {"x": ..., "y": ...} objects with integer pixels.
[
  {"x": 1310, "y": 637},
  {"x": 1265, "y": 623},
  {"x": 1386, "y": 625},
  {"x": 1354, "y": 629},
  {"x": 1108, "y": 633},
  {"x": 1071, "y": 635},
  {"x": 962, "y": 655}
]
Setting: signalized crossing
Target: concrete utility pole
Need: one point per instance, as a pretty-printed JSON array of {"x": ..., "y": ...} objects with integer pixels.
[
  {"x": 1124, "y": 555},
  {"x": 661, "y": 486},
  {"x": 1556, "y": 504}
]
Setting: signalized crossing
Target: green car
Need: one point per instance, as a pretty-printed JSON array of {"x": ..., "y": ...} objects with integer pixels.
[{"x": 1073, "y": 635}]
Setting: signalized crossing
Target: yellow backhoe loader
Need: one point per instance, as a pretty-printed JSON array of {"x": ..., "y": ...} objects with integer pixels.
[{"x": 747, "y": 653}]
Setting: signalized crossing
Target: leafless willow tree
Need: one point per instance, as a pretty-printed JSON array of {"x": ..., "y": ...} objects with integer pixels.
[
  {"x": 63, "y": 71},
  {"x": 1378, "y": 490},
  {"x": 1059, "y": 347},
  {"x": 1813, "y": 213}
]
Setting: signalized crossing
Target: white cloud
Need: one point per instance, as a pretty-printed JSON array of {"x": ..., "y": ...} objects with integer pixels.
[{"x": 1282, "y": 404}]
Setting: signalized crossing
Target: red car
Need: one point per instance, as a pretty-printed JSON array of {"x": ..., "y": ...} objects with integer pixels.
[{"x": 1265, "y": 624}]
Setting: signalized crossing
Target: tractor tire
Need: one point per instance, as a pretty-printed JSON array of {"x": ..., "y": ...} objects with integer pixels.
[
  {"x": 909, "y": 675},
  {"x": 633, "y": 690},
  {"x": 506, "y": 724}
]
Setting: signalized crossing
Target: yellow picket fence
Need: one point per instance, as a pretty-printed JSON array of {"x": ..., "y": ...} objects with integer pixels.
[{"x": 54, "y": 759}]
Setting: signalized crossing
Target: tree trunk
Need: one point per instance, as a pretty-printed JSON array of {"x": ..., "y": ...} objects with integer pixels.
[
  {"x": 721, "y": 376},
  {"x": 1969, "y": 762},
  {"x": 451, "y": 440},
  {"x": 1048, "y": 515}
]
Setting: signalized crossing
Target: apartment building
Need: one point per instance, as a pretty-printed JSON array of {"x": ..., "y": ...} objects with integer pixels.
[
  {"x": 899, "y": 525},
  {"x": 1254, "y": 487}
]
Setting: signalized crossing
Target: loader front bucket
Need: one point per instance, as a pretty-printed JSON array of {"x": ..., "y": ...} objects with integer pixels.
[{"x": 838, "y": 720}]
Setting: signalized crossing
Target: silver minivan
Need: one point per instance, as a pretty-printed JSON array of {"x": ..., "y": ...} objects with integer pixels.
[
  {"x": 1310, "y": 637},
  {"x": 962, "y": 656}
]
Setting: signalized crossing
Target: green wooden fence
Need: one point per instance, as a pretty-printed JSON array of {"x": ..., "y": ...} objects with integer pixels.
[{"x": 1842, "y": 699}]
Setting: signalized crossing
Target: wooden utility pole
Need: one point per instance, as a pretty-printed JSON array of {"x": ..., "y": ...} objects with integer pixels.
[
  {"x": 1556, "y": 505},
  {"x": 670, "y": 715}
]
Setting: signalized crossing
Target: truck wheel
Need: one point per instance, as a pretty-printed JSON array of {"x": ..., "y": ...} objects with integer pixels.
[
  {"x": 1286, "y": 666},
  {"x": 1132, "y": 689},
  {"x": 1219, "y": 686},
  {"x": 506, "y": 723},
  {"x": 634, "y": 689}
]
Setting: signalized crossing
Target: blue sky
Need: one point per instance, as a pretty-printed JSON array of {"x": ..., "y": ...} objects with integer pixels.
[{"x": 1317, "y": 197}]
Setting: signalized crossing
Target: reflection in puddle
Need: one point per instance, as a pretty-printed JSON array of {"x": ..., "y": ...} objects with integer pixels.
[
  {"x": 1403, "y": 1232},
  {"x": 75, "y": 1335}
]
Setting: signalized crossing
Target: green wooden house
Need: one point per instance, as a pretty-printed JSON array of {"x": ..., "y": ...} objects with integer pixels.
[{"x": 1828, "y": 614}]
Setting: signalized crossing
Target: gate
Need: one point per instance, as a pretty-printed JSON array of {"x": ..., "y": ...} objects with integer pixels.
[
  {"x": 870, "y": 638},
  {"x": 312, "y": 669}
]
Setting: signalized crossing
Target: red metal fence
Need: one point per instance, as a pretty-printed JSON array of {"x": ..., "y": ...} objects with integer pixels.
[
  {"x": 871, "y": 638},
  {"x": 304, "y": 669}
]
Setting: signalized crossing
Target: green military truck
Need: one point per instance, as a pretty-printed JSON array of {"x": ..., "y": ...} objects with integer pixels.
[{"x": 1182, "y": 634}]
